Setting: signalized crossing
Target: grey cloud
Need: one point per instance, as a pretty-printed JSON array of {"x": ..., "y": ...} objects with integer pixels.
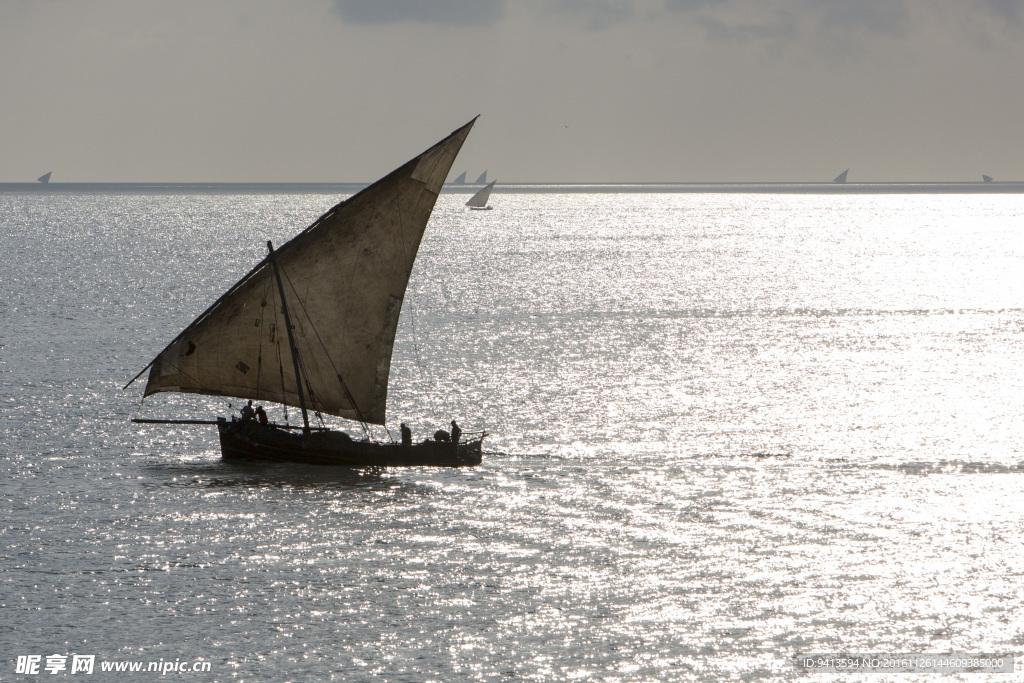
[
  {"x": 841, "y": 21},
  {"x": 689, "y": 5},
  {"x": 781, "y": 27},
  {"x": 730, "y": 20},
  {"x": 596, "y": 14},
  {"x": 884, "y": 16},
  {"x": 453, "y": 12},
  {"x": 1011, "y": 10},
  {"x": 593, "y": 13},
  {"x": 737, "y": 20}
]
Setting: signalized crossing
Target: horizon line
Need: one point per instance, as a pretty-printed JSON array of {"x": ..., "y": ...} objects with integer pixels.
[
  {"x": 809, "y": 187},
  {"x": 515, "y": 182}
]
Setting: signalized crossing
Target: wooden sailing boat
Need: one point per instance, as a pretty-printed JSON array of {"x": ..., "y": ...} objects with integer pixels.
[
  {"x": 479, "y": 200},
  {"x": 313, "y": 326}
]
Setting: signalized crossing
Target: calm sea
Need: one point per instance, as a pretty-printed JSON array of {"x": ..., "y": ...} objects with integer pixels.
[{"x": 726, "y": 430}]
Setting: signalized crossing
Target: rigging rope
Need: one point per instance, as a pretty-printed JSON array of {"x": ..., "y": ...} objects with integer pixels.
[
  {"x": 426, "y": 376},
  {"x": 259, "y": 352},
  {"x": 280, "y": 361},
  {"x": 344, "y": 386}
]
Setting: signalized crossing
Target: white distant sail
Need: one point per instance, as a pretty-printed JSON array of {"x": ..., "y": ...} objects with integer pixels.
[
  {"x": 841, "y": 178},
  {"x": 482, "y": 179},
  {"x": 479, "y": 200},
  {"x": 45, "y": 178}
]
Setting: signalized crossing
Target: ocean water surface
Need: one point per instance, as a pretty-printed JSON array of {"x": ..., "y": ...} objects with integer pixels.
[{"x": 725, "y": 430}]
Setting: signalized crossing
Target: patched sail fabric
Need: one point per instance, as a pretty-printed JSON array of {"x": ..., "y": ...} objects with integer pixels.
[
  {"x": 344, "y": 279},
  {"x": 479, "y": 200}
]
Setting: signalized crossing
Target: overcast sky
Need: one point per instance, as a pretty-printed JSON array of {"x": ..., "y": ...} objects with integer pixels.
[{"x": 568, "y": 90}]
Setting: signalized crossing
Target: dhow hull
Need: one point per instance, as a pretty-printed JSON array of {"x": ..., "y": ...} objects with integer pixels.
[{"x": 252, "y": 441}]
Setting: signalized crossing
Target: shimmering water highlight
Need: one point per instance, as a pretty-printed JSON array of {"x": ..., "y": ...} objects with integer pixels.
[{"x": 726, "y": 429}]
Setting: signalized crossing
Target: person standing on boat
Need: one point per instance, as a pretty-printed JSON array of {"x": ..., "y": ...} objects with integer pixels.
[
  {"x": 456, "y": 433},
  {"x": 261, "y": 415},
  {"x": 247, "y": 413},
  {"x": 406, "y": 435}
]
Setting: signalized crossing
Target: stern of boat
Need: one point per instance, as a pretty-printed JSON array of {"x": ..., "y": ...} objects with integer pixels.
[{"x": 470, "y": 453}]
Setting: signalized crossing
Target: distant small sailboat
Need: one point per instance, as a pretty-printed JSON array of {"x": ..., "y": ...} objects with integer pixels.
[
  {"x": 841, "y": 178},
  {"x": 987, "y": 178},
  {"x": 45, "y": 178},
  {"x": 482, "y": 179},
  {"x": 461, "y": 180},
  {"x": 479, "y": 200}
]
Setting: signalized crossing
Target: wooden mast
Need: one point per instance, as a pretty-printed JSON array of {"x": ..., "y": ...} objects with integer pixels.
[{"x": 291, "y": 339}]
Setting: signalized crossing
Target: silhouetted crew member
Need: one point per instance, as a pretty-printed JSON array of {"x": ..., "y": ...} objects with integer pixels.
[
  {"x": 261, "y": 415},
  {"x": 456, "y": 433},
  {"x": 247, "y": 412},
  {"x": 406, "y": 435}
]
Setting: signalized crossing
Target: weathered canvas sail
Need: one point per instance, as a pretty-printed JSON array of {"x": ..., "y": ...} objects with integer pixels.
[
  {"x": 344, "y": 279},
  {"x": 479, "y": 200}
]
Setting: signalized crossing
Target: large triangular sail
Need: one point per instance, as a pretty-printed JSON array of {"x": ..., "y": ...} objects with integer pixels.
[
  {"x": 479, "y": 200},
  {"x": 344, "y": 279}
]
